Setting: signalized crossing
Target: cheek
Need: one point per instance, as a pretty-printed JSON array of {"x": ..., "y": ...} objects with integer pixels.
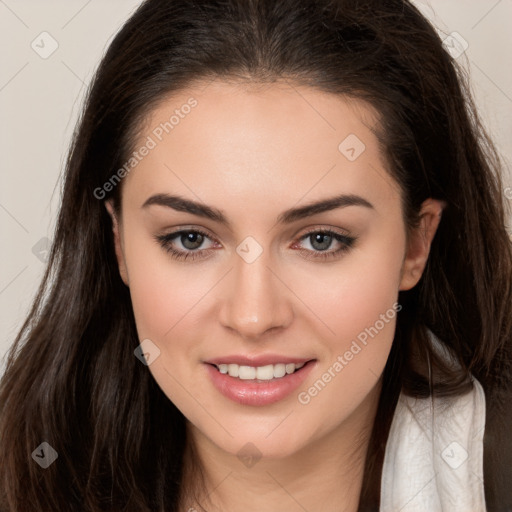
[
  {"x": 352, "y": 295},
  {"x": 165, "y": 297},
  {"x": 162, "y": 300},
  {"x": 359, "y": 306},
  {"x": 162, "y": 290}
]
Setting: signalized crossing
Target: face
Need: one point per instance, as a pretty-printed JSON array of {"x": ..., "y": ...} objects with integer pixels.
[{"x": 227, "y": 261}]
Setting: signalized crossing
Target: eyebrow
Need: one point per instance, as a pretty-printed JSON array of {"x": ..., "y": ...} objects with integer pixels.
[{"x": 181, "y": 204}]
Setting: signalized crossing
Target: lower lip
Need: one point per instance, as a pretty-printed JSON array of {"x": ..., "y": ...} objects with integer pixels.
[{"x": 258, "y": 393}]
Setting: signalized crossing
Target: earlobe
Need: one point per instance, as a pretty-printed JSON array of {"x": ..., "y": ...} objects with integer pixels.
[
  {"x": 420, "y": 240},
  {"x": 117, "y": 241}
]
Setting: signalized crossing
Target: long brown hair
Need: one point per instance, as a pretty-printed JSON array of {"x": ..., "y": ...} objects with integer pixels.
[{"x": 71, "y": 377}]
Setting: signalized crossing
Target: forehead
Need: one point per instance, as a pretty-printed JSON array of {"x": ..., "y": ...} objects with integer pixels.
[{"x": 279, "y": 140}]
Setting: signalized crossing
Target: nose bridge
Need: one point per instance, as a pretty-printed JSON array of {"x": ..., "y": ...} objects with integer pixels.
[{"x": 255, "y": 302}]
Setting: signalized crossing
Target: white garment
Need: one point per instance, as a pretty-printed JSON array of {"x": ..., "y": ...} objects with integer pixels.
[{"x": 433, "y": 460}]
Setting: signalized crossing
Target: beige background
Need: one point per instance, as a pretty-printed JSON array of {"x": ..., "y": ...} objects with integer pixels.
[{"x": 40, "y": 99}]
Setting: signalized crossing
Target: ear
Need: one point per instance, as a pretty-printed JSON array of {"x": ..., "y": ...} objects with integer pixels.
[
  {"x": 118, "y": 245},
  {"x": 420, "y": 239}
]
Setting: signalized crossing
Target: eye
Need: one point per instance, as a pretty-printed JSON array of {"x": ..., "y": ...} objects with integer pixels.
[
  {"x": 191, "y": 241},
  {"x": 321, "y": 239}
]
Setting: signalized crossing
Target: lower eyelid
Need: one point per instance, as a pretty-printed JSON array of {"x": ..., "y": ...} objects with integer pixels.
[{"x": 168, "y": 241}]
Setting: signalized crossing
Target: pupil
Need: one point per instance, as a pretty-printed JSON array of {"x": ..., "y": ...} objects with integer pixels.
[
  {"x": 318, "y": 238},
  {"x": 188, "y": 240}
]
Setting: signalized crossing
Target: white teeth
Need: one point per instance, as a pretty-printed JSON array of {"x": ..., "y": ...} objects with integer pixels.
[
  {"x": 280, "y": 370},
  {"x": 268, "y": 372},
  {"x": 247, "y": 372},
  {"x": 265, "y": 372},
  {"x": 233, "y": 370}
]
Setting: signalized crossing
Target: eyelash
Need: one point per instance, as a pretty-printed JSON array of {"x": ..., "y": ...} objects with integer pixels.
[{"x": 346, "y": 241}]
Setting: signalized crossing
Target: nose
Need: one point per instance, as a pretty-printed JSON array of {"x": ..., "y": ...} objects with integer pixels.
[{"x": 256, "y": 301}]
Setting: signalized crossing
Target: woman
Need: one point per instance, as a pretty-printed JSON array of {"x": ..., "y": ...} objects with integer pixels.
[{"x": 281, "y": 277}]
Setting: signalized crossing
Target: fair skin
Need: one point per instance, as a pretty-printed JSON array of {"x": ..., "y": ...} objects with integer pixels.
[{"x": 253, "y": 153}]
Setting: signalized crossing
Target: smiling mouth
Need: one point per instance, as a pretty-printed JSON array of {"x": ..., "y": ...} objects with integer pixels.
[
  {"x": 259, "y": 373},
  {"x": 258, "y": 386}
]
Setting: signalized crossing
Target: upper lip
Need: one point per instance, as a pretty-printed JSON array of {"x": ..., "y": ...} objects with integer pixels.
[{"x": 261, "y": 360}]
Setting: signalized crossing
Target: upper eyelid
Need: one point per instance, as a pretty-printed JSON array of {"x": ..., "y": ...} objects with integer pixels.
[{"x": 314, "y": 228}]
